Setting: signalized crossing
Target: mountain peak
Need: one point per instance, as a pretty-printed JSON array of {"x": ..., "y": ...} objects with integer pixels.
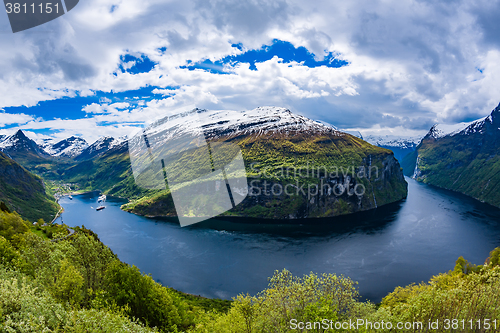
[
  {"x": 489, "y": 124},
  {"x": 100, "y": 146},
  {"x": 260, "y": 121},
  {"x": 494, "y": 117},
  {"x": 19, "y": 143},
  {"x": 69, "y": 147},
  {"x": 20, "y": 134},
  {"x": 435, "y": 132}
]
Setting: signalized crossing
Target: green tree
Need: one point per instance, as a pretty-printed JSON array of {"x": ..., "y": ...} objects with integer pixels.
[
  {"x": 152, "y": 303},
  {"x": 247, "y": 307},
  {"x": 25, "y": 306},
  {"x": 43, "y": 258},
  {"x": 91, "y": 258},
  {"x": 68, "y": 284},
  {"x": 465, "y": 267},
  {"x": 12, "y": 224},
  {"x": 495, "y": 257},
  {"x": 310, "y": 298},
  {"x": 9, "y": 257}
]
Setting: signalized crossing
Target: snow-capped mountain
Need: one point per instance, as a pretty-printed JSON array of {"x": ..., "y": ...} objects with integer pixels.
[
  {"x": 99, "y": 147},
  {"x": 465, "y": 128},
  {"x": 74, "y": 147},
  {"x": 440, "y": 130},
  {"x": 401, "y": 146},
  {"x": 270, "y": 136},
  {"x": 218, "y": 123},
  {"x": 20, "y": 143},
  {"x": 393, "y": 141},
  {"x": 463, "y": 158},
  {"x": 69, "y": 147}
]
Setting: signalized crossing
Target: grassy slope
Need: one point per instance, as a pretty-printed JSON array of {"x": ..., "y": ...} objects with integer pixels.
[
  {"x": 466, "y": 164},
  {"x": 276, "y": 151},
  {"x": 110, "y": 173},
  {"x": 24, "y": 192}
]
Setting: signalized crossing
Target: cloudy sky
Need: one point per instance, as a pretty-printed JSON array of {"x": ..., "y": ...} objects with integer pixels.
[{"x": 380, "y": 67}]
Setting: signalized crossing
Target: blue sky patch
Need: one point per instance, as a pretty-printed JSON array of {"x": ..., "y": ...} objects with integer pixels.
[
  {"x": 282, "y": 49},
  {"x": 139, "y": 65},
  {"x": 71, "y": 107}
]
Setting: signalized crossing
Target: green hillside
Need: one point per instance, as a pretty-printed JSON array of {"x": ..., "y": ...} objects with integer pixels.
[
  {"x": 333, "y": 155},
  {"x": 337, "y": 157},
  {"x": 24, "y": 192},
  {"x": 467, "y": 162},
  {"x": 77, "y": 284},
  {"x": 110, "y": 172}
]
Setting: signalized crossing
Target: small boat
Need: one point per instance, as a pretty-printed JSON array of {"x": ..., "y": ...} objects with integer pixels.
[
  {"x": 101, "y": 198},
  {"x": 70, "y": 197},
  {"x": 100, "y": 208}
]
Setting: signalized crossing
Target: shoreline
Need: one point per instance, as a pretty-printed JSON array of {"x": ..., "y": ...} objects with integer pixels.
[
  {"x": 351, "y": 218},
  {"x": 341, "y": 219}
]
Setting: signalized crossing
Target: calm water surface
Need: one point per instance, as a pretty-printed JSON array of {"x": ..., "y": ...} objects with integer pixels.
[{"x": 397, "y": 245}]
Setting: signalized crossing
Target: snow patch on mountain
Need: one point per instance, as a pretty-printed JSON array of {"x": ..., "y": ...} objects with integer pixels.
[
  {"x": 104, "y": 143},
  {"x": 8, "y": 142},
  {"x": 353, "y": 133},
  {"x": 393, "y": 141},
  {"x": 69, "y": 147},
  {"x": 99, "y": 147},
  {"x": 327, "y": 124},
  {"x": 218, "y": 123},
  {"x": 441, "y": 130},
  {"x": 19, "y": 142},
  {"x": 477, "y": 126}
]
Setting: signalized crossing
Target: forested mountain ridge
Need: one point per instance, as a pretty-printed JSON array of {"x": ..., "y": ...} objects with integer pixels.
[
  {"x": 24, "y": 192},
  {"x": 270, "y": 139},
  {"x": 466, "y": 160}
]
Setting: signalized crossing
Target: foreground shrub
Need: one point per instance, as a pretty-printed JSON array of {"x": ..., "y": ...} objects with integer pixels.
[
  {"x": 290, "y": 299},
  {"x": 453, "y": 300},
  {"x": 26, "y": 307}
]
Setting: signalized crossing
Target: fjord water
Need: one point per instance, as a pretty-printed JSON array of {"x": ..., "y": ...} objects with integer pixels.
[{"x": 394, "y": 246}]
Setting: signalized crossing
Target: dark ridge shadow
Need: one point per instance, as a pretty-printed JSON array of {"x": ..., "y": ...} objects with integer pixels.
[{"x": 372, "y": 221}]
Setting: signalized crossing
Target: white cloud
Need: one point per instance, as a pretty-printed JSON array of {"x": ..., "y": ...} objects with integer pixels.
[
  {"x": 105, "y": 100},
  {"x": 103, "y": 108},
  {"x": 122, "y": 105},
  {"x": 9, "y": 118},
  {"x": 411, "y": 63},
  {"x": 94, "y": 108}
]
